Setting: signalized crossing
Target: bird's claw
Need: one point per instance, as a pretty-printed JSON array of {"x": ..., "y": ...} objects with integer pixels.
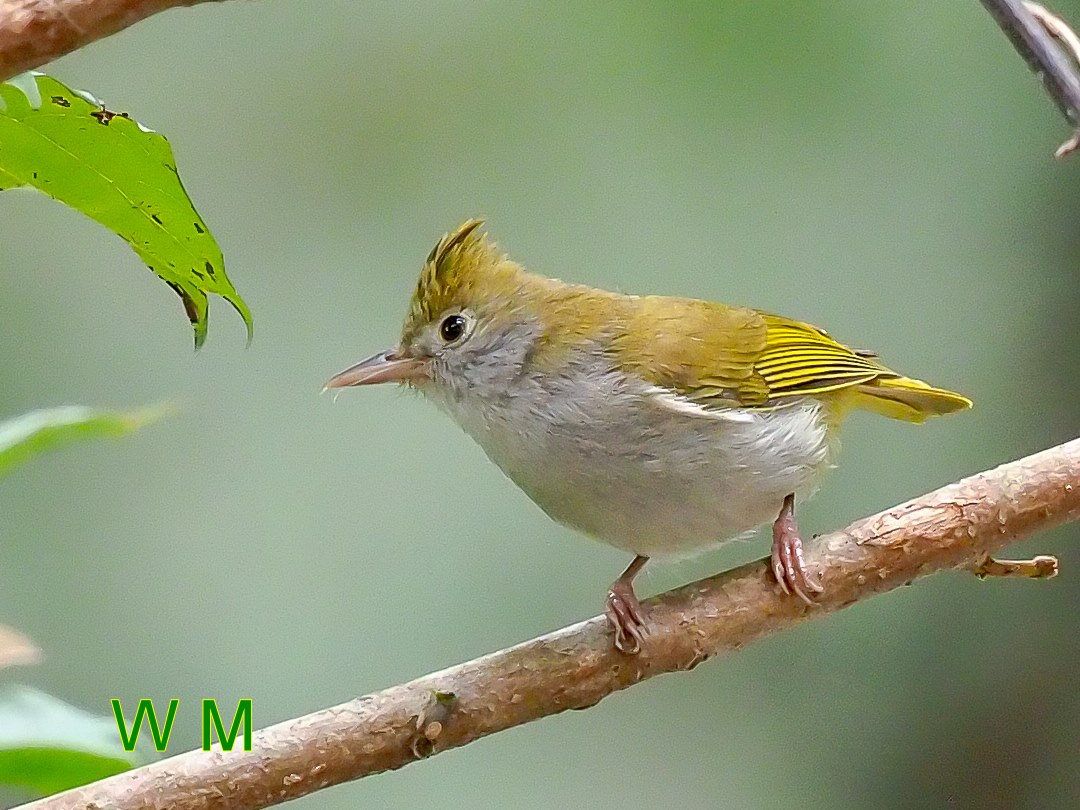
[
  {"x": 788, "y": 564},
  {"x": 624, "y": 613}
]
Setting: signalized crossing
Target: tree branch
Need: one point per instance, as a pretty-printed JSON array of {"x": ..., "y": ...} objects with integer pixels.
[
  {"x": 33, "y": 32},
  {"x": 956, "y": 527},
  {"x": 1032, "y": 30}
]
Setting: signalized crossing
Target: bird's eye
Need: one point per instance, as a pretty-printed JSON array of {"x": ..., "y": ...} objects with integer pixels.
[{"x": 452, "y": 328}]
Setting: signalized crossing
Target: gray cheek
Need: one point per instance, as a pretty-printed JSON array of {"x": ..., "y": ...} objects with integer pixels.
[
  {"x": 462, "y": 376},
  {"x": 490, "y": 366},
  {"x": 449, "y": 383}
]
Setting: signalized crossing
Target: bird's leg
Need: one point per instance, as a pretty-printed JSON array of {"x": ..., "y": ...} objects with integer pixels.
[
  {"x": 624, "y": 610},
  {"x": 788, "y": 565}
]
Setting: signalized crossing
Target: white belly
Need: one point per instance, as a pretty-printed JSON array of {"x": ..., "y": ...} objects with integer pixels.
[{"x": 648, "y": 479}]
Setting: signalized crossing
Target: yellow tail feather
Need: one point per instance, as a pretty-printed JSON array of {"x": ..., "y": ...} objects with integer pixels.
[{"x": 907, "y": 399}]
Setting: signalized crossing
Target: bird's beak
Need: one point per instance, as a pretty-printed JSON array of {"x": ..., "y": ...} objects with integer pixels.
[{"x": 389, "y": 366}]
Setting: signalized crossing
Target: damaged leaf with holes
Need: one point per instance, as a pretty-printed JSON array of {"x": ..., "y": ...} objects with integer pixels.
[{"x": 119, "y": 173}]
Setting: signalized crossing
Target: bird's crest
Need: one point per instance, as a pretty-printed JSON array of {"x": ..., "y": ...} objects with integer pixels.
[{"x": 451, "y": 268}]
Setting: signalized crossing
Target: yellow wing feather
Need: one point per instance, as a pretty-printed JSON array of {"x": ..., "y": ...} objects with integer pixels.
[
  {"x": 722, "y": 356},
  {"x": 801, "y": 360}
]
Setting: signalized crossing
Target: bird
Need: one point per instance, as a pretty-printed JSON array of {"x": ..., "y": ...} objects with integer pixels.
[{"x": 662, "y": 426}]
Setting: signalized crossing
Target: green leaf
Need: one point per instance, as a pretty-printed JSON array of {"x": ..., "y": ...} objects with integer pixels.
[
  {"x": 119, "y": 173},
  {"x": 47, "y": 745},
  {"x": 26, "y": 436}
]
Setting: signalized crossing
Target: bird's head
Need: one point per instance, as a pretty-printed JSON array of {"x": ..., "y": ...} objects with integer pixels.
[{"x": 471, "y": 325}]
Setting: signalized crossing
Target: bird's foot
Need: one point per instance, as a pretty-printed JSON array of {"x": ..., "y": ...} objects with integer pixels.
[
  {"x": 788, "y": 564},
  {"x": 624, "y": 614}
]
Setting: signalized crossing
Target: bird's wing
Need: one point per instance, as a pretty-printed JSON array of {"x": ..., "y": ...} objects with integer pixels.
[
  {"x": 711, "y": 355},
  {"x": 801, "y": 359},
  {"x": 694, "y": 348}
]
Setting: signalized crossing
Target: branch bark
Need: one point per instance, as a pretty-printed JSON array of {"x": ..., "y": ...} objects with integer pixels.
[
  {"x": 956, "y": 527},
  {"x": 33, "y": 32}
]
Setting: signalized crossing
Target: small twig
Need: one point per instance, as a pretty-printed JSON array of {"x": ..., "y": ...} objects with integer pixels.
[
  {"x": 1058, "y": 29},
  {"x": 956, "y": 527},
  {"x": 1032, "y": 30},
  {"x": 1041, "y": 567}
]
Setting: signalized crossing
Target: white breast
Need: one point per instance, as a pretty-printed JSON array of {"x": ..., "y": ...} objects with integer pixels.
[{"x": 625, "y": 463}]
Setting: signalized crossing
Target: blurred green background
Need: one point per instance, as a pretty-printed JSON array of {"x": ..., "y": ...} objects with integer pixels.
[{"x": 883, "y": 170}]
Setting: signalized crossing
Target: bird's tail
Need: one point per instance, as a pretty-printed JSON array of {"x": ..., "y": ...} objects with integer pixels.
[{"x": 907, "y": 399}]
